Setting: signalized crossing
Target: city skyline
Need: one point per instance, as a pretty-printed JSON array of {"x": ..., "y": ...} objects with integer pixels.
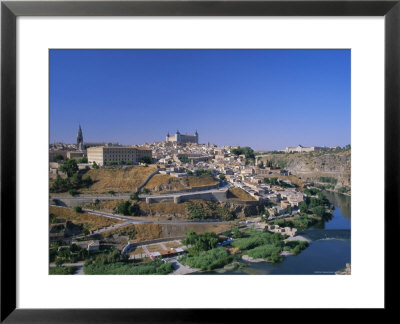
[{"x": 266, "y": 99}]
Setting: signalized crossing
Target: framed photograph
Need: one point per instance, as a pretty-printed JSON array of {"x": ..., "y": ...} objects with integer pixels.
[{"x": 165, "y": 155}]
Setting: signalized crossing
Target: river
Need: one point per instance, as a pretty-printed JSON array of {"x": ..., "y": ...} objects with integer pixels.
[{"x": 329, "y": 249}]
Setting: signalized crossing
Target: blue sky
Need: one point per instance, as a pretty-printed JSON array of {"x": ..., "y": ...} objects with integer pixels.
[{"x": 266, "y": 99}]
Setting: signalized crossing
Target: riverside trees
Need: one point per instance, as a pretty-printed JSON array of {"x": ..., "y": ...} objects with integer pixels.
[{"x": 74, "y": 180}]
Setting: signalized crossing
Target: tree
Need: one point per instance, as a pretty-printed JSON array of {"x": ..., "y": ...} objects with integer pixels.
[
  {"x": 111, "y": 192},
  {"x": 274, "y": 181},
  {"x": 85, "y": 230},
  {"x": 134, "y": 210},
  {"x": 128, "y": 209},
  {"x": 236, "y": 233},
  {"x": 135, "y": 195},
  {"x": 95, "y": 165},
  {"x": 222, "y": 176},
  {"x": 319, "y": 211},
  {"x": 59, "y": 157},
  {"x": 303, "y": 207},
  {"x": 53, "y": 218},
  {"x": 146, "y": 160},
  {"x": 76, "y": 180},
  {"x": 247, "y": 151},
  {"x": 59, "y": 262},
  {"x": 69, "y": 167},
  {"x": 190, "y": 237},
  {"x": 261, "y": 165},
  {"x": 184, "y": 159},
  {"x": 83, "y": 160}
]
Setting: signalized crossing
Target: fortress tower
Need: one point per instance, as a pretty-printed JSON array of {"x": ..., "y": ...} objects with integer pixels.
[{"x": 183, "y": 138}]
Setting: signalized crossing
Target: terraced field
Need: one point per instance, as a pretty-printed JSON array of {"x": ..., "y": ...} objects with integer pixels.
[
  {"x": 118, "y": 179},
  {"x": 93, "y": 222}
]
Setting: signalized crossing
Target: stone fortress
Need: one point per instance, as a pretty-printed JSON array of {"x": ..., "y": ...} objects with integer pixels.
[
  {"x": 183, "y": 138},
  {"x": 301, "y": 148}
]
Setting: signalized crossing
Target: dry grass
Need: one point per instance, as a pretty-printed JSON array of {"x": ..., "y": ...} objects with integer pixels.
[
  {"x": 239, "y": 194},
  {"x": 161, "y": 183},
  {"x": 168, "y": 208},
  {"x": 172, "y": 230},
  {"x": 172, "y": 245},
  {"x": 146, "y": 232},
  {"x": 137, "y": 250},
  {"x": 295, "y": 180},
  {"x": 93, "y": 222},
  {"x": 158, "y": 211},
  {"x": 128, "y": 230},
  {"x": 155, "y": 248},
  {"x": 118, "y": 179},
  {"x": 201, "y": 181}
]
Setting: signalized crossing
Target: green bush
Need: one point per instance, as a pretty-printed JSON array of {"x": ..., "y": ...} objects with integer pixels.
[
  {"x": 78, "y": 209},
  {"x": 268, "y": 252},
  {"x": 73, "y": 192},
  {"x": 295, "y": 247},
  {"x": 62, "y": 270},
  {"x": 128, "y": 209},
  {"x": 201, "y": 242},
  {"x": 83, "y": 160},
  {"x": 208, "y": 260},
  {"x": 156, "y": 267},
  {"x": 257, "y": 239}
]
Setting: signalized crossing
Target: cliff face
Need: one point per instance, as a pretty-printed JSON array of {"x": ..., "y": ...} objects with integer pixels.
[{"x": 313, "y": 166}]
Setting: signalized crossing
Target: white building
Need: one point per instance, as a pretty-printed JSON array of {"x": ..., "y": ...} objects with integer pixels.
[{"x": 103, "y": 154}]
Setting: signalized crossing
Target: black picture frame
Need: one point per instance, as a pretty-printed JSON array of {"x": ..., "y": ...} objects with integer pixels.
[{"x": 10, "y": 10}]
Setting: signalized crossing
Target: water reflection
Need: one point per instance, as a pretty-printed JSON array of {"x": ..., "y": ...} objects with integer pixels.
[{"x": 341, "y": 201}]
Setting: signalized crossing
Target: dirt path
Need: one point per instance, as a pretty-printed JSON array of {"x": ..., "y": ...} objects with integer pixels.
[{"x": 180, "y": 269}]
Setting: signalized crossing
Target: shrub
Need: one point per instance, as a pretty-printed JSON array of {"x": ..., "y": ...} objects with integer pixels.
[
  {"x": 208, "y": 260},
  {"x": 128, "y": 268},
  {"x": 62, "y": 270},
  {"x": 201, "y": 242},
  {"x": 78, "y": 209},
  {"x": 146, "y": 160},
  {"x": 268, "y": 252},
  {"x": 73, "y": 192},
  {"x": 128, "y": 209}
]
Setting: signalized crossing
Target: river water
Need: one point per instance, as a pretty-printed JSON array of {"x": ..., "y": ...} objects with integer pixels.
[{"x": 329, "y": 249}]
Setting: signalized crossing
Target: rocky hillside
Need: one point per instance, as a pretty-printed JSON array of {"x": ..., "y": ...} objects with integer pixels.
[
  {"x": 315, "y": 166},
  {"x": 161, "y": 183}
]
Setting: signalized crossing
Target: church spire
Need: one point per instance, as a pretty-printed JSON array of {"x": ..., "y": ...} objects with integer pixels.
[{"x": 79, "y": 139}]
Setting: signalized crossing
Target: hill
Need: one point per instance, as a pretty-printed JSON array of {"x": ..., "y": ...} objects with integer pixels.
[{"x": 315, "y": 166}]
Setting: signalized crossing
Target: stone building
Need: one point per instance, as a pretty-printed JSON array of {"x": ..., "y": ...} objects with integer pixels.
[
  {"x": 183, "y": 138},
  {"x": 75, "y": 155},
  {"x": 103, "y": 154},
  {"x": 301, "y": 148}
]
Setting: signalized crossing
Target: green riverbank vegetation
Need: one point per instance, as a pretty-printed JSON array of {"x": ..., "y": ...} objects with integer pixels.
[{"x": 113, "y": 263}]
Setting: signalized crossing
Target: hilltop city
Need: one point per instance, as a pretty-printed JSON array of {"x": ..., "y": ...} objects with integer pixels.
[{"x": 178, "y": 206}]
